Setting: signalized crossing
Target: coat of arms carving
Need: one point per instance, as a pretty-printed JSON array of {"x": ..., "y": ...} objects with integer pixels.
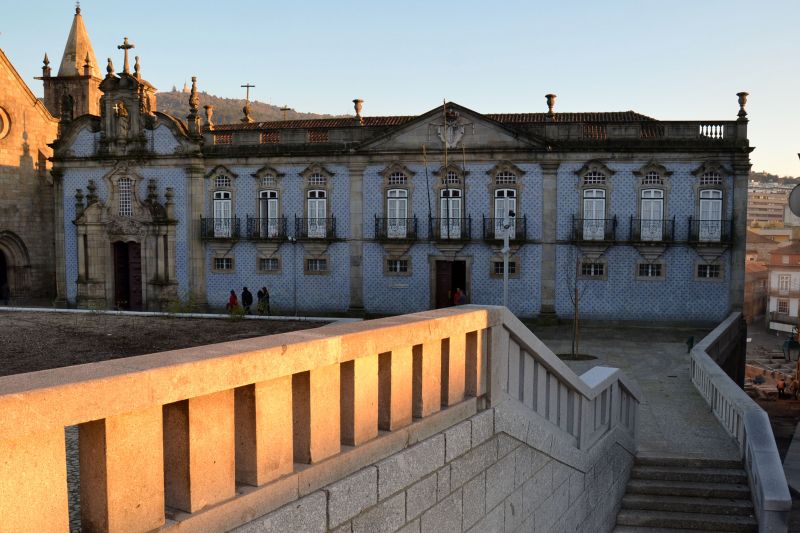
[{"x": 452, "y": 131}]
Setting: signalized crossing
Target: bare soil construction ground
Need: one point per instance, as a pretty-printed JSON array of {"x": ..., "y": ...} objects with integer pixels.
[{"x": 38, "y": 341}]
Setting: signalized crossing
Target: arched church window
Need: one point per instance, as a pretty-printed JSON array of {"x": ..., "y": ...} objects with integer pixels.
[{"x": 124, "y": 195}]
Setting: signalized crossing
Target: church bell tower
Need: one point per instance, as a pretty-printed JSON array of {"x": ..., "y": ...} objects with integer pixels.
[{"x": 75, "y": 91}]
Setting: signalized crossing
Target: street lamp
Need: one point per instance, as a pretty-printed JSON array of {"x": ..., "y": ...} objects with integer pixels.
[
  {"x": 507, "y": 223},
  {"x": 293, "y": 242}
]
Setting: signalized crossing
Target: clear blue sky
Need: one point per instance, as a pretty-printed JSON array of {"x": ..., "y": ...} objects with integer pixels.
[{"x": 672, "y": 60}]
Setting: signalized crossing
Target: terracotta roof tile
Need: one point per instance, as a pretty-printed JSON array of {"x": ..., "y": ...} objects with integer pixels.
[
  {"x": 604, "y": 117},
  {"x": 752, "y": 267}
]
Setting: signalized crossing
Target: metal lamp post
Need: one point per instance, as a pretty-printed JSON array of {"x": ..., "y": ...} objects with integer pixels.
[
  {"x": 506, "y": 249},
  {"x": 293, "y": 241}
]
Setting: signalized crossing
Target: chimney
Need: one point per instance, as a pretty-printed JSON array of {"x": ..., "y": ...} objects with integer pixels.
[{"x": 551, "y": 103}]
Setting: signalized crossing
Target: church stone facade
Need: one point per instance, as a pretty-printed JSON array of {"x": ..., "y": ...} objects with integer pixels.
[{"x": 642, "y": 219}]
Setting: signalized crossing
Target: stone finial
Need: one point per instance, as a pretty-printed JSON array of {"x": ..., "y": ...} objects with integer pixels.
[
  {"x": 109, "y": 68},
  {"x": 87, "y": 66},
  {"x": 358, "y": 104},
  {"x": 125, "y": 46},
  {"x": 551, "y": 104},
  {"x": 77, "y": 8},
  {"x": 742, "y": 102},
  {"x": 137, "y": 68},
  {"x": 246, "y": 111},
  {"x": 194, "y": 99},
  {"x": 91, "y": 197},
  {"x": 46, "y": 66},
  {"x": 169, "y": 205},
  {"x": 78, "y": 202},
  {"x": 209, "y": 116}
]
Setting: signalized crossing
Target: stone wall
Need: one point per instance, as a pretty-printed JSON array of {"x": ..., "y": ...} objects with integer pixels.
[{"x": 473, "y": 476}]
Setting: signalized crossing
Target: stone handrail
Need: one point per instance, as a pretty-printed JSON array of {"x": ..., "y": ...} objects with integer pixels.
[
  {"x": 747, "y": 423},
  {"x": 208, "y": 438}
]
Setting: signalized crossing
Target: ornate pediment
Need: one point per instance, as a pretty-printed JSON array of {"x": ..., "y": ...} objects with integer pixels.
[
  {"x": 267, "y": 170},
  {"x": 316, "y": 168},
  {"x": 221, "y": 170},
  {"x": 712, "y": 167},
  {"x": 117, "y": 225},
  {"x": 505, "y": 166},
  {"x": 397, "y": 167},
  {"x": 595, "y": 166},
  {"x": 652, "y": 167}
]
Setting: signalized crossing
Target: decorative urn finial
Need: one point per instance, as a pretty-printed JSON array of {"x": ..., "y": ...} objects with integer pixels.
[
  {"x": 551, "y": 104},
  {"x": 358, "y": 104},
  {"x": 742, "y": 102},
  {"x": 209, "y": 116}
]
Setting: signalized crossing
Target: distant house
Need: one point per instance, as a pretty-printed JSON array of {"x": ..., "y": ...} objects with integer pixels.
[
  {"x": 756, "y": 294},
  {"x": 784, "y": 286}
]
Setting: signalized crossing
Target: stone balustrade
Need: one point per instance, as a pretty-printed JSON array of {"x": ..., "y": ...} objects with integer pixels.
[
  {"x": 208, "y": 438},
  {"x": 746, "y": 422}
]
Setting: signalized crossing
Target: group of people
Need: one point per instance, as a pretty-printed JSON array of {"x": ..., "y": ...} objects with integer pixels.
[
  {"x": 793, "y": 392},
  {"x": 262, "y": 305},
  {"x": 459, "y": 297}
]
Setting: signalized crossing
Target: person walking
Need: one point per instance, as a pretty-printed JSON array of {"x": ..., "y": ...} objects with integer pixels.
[
  {"x": 233, "y": 302},
  {"x": 781, "y": 386},
  {"x": 247, "y": 300},
  {"x": 457, "y": 297},
  {"x": 263, "y": 301}
]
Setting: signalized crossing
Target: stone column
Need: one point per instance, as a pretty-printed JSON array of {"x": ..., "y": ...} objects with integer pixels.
[
  {"x": 549, "y": 211},
  {"x": 196, "y": 197},
  {"x": 741, "y": 171},
  {"x": 356, "y": 175},
  {"x": 58, "y": 226}
]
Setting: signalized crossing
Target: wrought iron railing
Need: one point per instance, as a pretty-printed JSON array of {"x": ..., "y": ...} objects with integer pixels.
[
  {"x": 315, "y": 228},
  {"x": 493, "y": 228},
  {"x": 710, "y": 231},
  {"x": 594, "y": 229},
  {"x": 266, "y": 229},
  {"x": 450, "y": 229},
  {"x": 219, "y": 228},
  {"x": 652, "y": 230},
  {"x": 395, "y": 228}
]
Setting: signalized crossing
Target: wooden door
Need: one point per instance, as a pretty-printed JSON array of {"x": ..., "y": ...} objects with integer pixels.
[
  {"x": 135, "y": 276},
  {"x": 121, "y": 276},
  {"x": 444, "y": 281}
]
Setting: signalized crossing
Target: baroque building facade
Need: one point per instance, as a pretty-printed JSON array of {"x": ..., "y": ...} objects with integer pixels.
[{"x": 641, "y": 219}]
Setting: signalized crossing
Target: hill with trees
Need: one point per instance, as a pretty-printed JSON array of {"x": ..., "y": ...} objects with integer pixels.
[{"x": 226, "y": 110}]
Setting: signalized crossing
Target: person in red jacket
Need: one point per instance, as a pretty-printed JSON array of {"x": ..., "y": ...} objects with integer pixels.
[{"x": 233, "y": 302}]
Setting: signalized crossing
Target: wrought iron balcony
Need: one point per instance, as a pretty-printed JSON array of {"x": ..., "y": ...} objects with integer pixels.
[
  {"x": 450, "y": 229},
  {"x": 594, "y": 229},
  {"x": 710, "y": 231},
  {"x": 393, "y": 229},
  {"x": 315, "y": 228},
  {"x": 652, "y": 230},
  {"x": 219, "y": 228},
  {"x": 266, "y": 229},
  {"x": 493, "y": 229}
]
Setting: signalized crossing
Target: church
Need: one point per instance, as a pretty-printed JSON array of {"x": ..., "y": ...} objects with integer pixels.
[{"x": 625, "y": 216}]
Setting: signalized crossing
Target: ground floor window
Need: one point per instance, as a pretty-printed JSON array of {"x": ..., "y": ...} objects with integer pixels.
[
  {"x": 650, "y": 270},
  {"x": 316, "y": 265},
  {"x": 783, "y": 306},
  {"x": 397, "y": 267},
  {"x": 223, "y": 264},
  {"x": 269, "y": 264},
  {"x": 705, "y": 271},
  {"x": 593, "y": 270},
  {"x": 496, "y": 268}
]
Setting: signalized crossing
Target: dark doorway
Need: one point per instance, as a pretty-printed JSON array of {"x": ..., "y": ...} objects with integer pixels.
[
  {"x": 5, "y": 290},
  {"x": 450, "y": 275},
  {"x": 128, "y": 275}
]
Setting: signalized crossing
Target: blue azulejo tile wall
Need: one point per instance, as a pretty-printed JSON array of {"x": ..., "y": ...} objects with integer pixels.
[
  {"x": 314, "y": 293},
  {"x": 677, "y": 296}
]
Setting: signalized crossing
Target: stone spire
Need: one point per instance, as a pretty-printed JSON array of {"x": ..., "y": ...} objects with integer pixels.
[{"x": 77, "y": 48}]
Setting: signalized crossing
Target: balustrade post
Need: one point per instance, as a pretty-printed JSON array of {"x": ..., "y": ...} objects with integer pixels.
[
  {"x": 199, "y": 451},
  {"x": 395, "y": 389},
  {"x": 498, "y": 364},
  {"x": 359, "y": 400},
  {"x": 264, "y": 449},
  {"x": 427, "y": 386},
  {"x": 122, "y": 472},
  {"x": 454, "y": 369},
  {"x": 475, "y": 364},
  {"x": 33, "y": 481},
  {"x": 316, "y": 414}
]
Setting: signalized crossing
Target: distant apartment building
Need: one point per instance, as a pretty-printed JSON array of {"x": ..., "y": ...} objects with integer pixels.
[
  {"x": 784, "y": 286},
  {"x": 756, "y": 295},
  {"x": 765, "y": 204}
]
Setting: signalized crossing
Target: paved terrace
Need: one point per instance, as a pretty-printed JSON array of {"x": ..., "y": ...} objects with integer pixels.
[{"x": 675, "y": 419}]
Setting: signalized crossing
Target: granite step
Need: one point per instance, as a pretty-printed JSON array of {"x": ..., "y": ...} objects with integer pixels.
[
  {"x": 696, "y": 489},
  {"x": 690, "y": 521},
  {"x": 707, "y": 475},
  {"x": 644, "y": 459},
  {"x": 726, "y": 506}
]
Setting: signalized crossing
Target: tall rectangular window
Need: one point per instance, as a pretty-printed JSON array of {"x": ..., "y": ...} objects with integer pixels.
[
  {"x": 784, "y": 282},
  {"x": 124, "y": 195},
  {"x": 783, "y": 306}
]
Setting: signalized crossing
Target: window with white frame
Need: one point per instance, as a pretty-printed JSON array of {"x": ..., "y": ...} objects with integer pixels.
[
  {"x": 505, "y": 202},
  {"x": 317, "y": 179},
  {"x": 451, "y": 178},
  {"x": 269, "y": 181},
  {"x": 593, "y": 270},
  {"x": 450, "y": 213},
  {"x": 783, "y": 306},
  {"x": 498, "y": 268},
  {"x": 268, "y": 226},
  {"x": 223, "y": 263},
  {"x": 124, "y": 195},
  {"x": 594, "y": 177},
  {"x": 222, "y": 182},
  {"x": 397, "y": 213},
  {"x": 650, "y": 270},
  {"x": 711, "y": 178},
  {"x": 784, "y": 282},
  {"x": 316, "y": 265},
  {"x": 397, "y": 266},
  {"x": 710, "y": 223},
  {"x": 223, "y": 221},
  {"x": 397, "y": 178},
  {"x": 317, "y": 211},
  {"x": 652, "y": 215},
  {"x": 709, "y": 271},
  {"x": 505, "y": 178},
  {"x": 269, "y": 264},
  {"x": 652, "y": 178},
  {"x": 594, "y": 214}
]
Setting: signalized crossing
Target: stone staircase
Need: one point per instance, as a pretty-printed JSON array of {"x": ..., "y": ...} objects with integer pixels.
[{"x": 670, "y": 494}]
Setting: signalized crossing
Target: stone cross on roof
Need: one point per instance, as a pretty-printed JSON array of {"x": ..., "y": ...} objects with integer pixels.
[{"x": 126, "y": 46}]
